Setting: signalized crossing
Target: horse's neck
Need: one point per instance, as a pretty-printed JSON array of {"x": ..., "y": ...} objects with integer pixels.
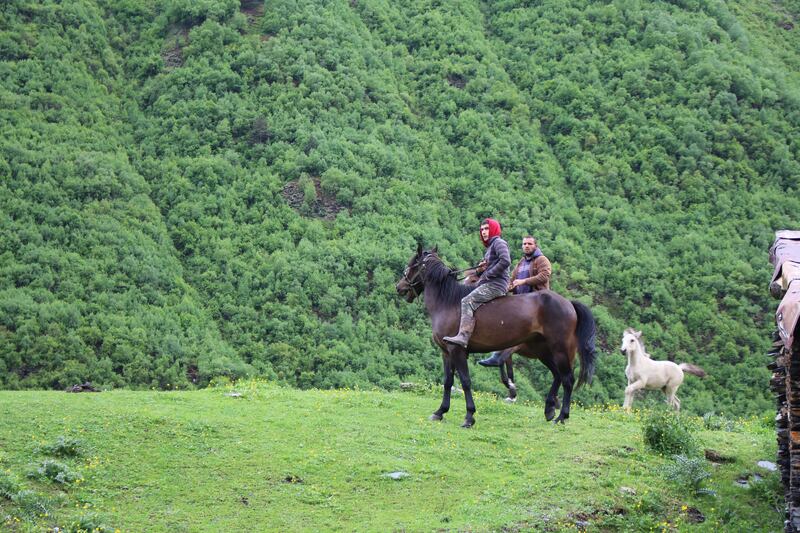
[
  {"x": 433, "y": 300},
  {"x": 441, "y": 314},
  {"x": 637, "y": 357}
]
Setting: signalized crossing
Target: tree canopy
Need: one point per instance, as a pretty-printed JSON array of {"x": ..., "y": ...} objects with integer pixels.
[{"x": 193, "y": 189}]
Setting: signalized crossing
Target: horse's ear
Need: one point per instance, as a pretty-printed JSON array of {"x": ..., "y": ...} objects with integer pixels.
[
  {"x": 435, "y": 249},
  {"x": 638, "y": 334},
  {"x": 419, "y": 249}
]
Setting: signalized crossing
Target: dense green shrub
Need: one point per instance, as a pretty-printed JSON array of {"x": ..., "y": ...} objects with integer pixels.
[{"x": 668, "y": 433}]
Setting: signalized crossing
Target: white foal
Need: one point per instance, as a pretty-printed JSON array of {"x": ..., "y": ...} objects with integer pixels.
[{"x": 644, "y": 373}]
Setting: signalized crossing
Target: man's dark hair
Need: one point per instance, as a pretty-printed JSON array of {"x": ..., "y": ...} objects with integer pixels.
[{"x": 529, "y": 237}]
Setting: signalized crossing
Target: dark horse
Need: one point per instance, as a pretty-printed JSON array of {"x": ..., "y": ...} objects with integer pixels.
[{"x": 550, "y": 327}]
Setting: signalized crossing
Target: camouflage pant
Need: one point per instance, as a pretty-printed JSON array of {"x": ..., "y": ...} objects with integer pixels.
[{"x": 481, "y": 295}]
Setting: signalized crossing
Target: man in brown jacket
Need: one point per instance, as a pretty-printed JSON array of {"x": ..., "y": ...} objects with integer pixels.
[{"x": 532, "y": 273}]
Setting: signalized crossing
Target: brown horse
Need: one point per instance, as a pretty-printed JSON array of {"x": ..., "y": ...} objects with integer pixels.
[{"x": 550, "y": 327}]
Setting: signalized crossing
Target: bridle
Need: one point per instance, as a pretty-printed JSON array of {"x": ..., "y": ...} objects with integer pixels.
[{"x": 417, "y": 280}]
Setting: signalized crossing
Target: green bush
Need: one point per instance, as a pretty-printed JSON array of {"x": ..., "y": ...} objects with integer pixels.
[{"x": 667, "y": 433}]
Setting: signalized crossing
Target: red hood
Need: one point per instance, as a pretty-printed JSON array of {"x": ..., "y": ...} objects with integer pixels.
[{"x": 494, "y": 230}]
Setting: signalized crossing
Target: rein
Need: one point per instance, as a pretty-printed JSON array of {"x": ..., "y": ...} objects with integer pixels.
[
  {"x": 463, "y": 269},
  {"x": 456, "y": 272}
]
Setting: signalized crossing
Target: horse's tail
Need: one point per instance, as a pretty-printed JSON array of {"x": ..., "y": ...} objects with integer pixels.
[
  {"x": 586, "y": 331},
  {"x": 692, "y": 369}
]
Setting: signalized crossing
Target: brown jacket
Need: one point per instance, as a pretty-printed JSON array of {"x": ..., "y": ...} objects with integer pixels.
[{"x": 540, "y": 273}]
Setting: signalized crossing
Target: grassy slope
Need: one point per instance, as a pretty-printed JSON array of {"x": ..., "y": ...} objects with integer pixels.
[{"x": 203, "y": 461}]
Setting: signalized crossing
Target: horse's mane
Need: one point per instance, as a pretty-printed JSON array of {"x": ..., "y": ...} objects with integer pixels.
[
  {"x": 638, "y": 341},
  {"x": 438, "y": 276}
]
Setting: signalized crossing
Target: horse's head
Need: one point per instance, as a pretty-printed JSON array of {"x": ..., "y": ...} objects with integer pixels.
[
  {"x": 630, "y": 341},
  {"x": 412, "y": 282}
]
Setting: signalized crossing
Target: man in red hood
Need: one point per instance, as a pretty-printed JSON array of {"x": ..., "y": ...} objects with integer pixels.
[{"x": 493, "y": 280}]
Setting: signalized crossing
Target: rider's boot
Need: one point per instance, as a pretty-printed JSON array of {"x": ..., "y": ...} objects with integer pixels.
[
  {"x": 464, "y": 332},
  {"x": 494, "y": 360}
]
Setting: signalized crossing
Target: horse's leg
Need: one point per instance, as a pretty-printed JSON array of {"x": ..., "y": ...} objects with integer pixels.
[
  {"x": 630, "y": 390},
  {"x": 672, "y": 399},
  {"x": 459, "y": 356},
  {"x": 512, "y": 389},
  {"x": 567, "y": 381},
  {"x": 551, "y": 401},
  {"x": 508, "y": 380},
  {"x": 448, "y": 386}
]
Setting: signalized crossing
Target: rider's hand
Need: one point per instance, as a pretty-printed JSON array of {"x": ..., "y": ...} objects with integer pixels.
[{"x": 481, "y": 266}]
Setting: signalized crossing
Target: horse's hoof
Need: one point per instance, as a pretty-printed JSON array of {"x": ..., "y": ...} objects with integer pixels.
[
  {"x": 510, "y": 400},
  {"x": 435, "y": 418},
  {"x": 468, "y": 424},
  {"x": 559, "y": 420},
  {"x": 549, "y": 415}
]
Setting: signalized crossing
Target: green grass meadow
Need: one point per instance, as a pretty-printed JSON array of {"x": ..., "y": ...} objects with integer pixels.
[{"x": 280, "y": 459}]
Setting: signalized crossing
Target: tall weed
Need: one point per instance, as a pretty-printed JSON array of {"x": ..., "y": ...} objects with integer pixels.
[
  {"x": 8, "y": 485},
  {"x": 690, "y": 472},
  {"x": 54, "y": 471},
  {"x": 63, "y": 447}
]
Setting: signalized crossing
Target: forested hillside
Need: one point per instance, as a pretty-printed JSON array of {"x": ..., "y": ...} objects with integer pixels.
[{"x": 200, "y": 188}]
